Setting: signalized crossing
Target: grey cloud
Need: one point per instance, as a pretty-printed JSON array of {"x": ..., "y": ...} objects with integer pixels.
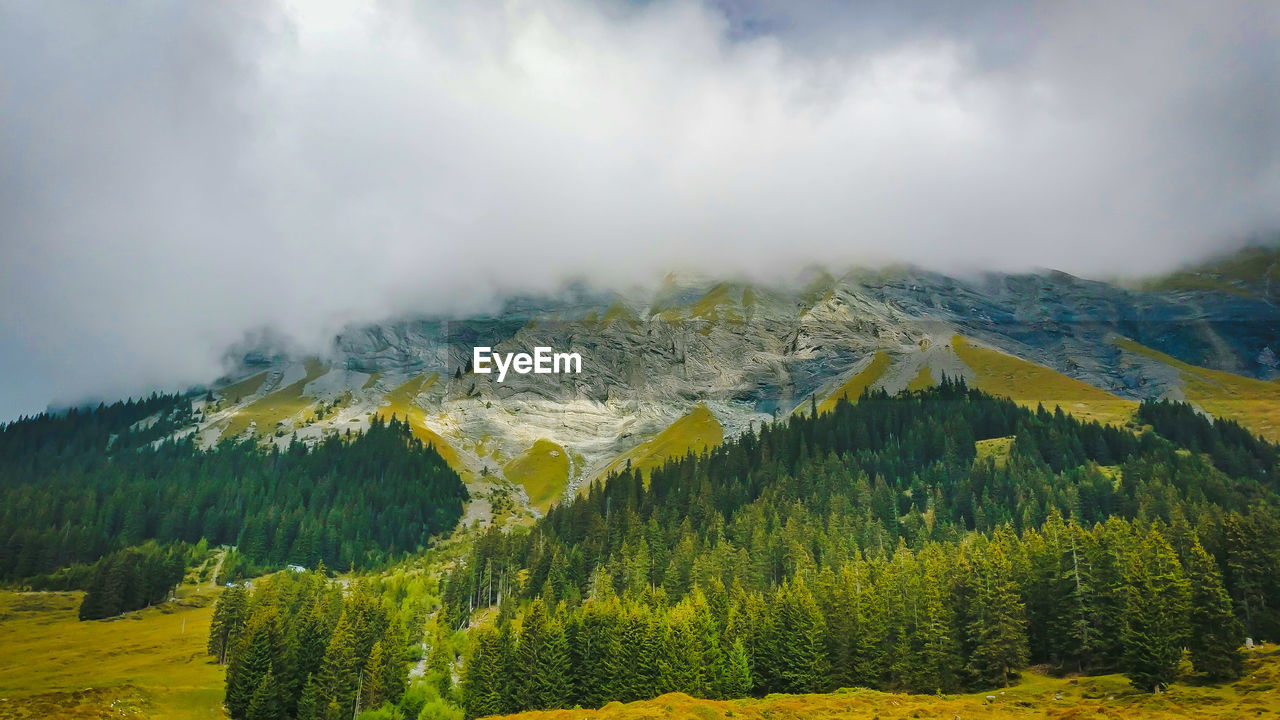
[{"x": 174, "y": 174}]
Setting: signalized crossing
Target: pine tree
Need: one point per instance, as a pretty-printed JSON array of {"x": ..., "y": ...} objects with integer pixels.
[
  {"x": 229, "y": 616},
  {"x": 250, "y": 663},
  {"x": 372, "y": 689},
  {"x": 1155, "y": 617},
  {"x": 482, "y": 677},
  {"x": 267, "y": 702},
  {"x": 339, "y": 670},
  {"x": 998, "y": 628},
  {"x": 1216, "y": 633}
]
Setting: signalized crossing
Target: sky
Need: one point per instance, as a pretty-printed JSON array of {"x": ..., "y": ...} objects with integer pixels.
[{"x": 174, "y": 175}]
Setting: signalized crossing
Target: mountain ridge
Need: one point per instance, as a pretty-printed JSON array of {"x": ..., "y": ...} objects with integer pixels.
[{"x": 752, "y": 352}]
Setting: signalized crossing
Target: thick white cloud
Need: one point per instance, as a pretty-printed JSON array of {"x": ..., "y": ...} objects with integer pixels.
[{"x": 174, "y": 174}]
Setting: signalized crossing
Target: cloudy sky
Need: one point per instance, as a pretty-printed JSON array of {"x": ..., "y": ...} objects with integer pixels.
[{"x": 174, "y": 173}]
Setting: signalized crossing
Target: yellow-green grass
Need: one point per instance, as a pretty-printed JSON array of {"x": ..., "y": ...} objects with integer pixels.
[
  {"x": 1253, "y": 403},
  {"x": 1239, "y": 274},
  {"x": 618, "y": 312},
  {"x": 543, "y": 470},
  {"x": 995, "y": 448},
  {"x": 852, "y": 389},
  {"x": 399, "y": 402},
  {"x": 1029, "y": 384},
  {"x": 922, "y": 381},
  {"x": 717, "y": 304},
  {"x": 373, "y": 380},
  {"x": 268, "y": 411},
  {"x": 1106, "y": 697},
  {"x": 696, "y": 432},
  {"x": 147, "y": 664},
  {"x": 237, "y": 391}
]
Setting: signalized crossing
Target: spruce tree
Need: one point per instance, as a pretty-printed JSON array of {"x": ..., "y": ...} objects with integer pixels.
[
  {"x": 482, "y": 677},
  {"x": 1216, "y": 633},
  {"x": 737, "y": 674},
  {"x": 542, "y": 661},
  {"x": 680, "y": 660},
  {"x": 597, "y": 667},
  {"x": 251, "y": 661},
  {"x": 1156, "y": 614},
  {"x": 310, "y": 705},
  {"x": 396, "y": 670},
  {"x": 800, "y": 627},
  {"x": 267, "y": 702},
  {"x": 372, "y": 680},
  {"x": 339, "y": 670},
  {"x": 229, "y": 617},
  {"x": 997, "y": 630}
]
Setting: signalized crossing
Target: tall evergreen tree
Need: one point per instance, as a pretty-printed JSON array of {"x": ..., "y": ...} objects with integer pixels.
[
  {"x": 802, "y": 659},
  {"x": 266, "y": 703},
  {"x": 229, "y": 617},
  {"x": 1155, "y": 618},
  {"x": 340, "y": 669},
  {"x": 250, "y": 664},
  {"x": 373, "y": 691},
  {"x": 542, "y": 659},
  {"x": 1216, "y": 634},
  {"x": 483, "y": 678},
  {"x": 997, "y": 629}
]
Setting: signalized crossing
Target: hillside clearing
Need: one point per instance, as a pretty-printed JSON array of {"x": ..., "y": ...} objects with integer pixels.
[
  {"x": 852, "y": 389},
  {"x": 695, "y": 432},
  {"x": 1253, "y": 403},
  {"x": 1029, "y": 385},
  {"x": 146, "y": 664},
  {"x": 543, "y": 470},
  {"x": 265, "y": 413},
  {"x": 399, "y": 402}
]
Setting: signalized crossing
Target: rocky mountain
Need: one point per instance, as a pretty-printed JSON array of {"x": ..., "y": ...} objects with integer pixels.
[{"x": 676, "y": 369}]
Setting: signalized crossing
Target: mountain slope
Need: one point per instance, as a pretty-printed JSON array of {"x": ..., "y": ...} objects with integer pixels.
[{"x": 749, "y": 352}]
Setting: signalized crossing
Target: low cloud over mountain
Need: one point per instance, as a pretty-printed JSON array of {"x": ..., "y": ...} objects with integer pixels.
[{"x": 174, "y": 174}]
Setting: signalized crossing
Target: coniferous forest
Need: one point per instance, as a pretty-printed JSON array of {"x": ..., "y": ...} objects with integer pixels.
[
  {"x": 83, "y": 485},
  {"x": 871, "y": 547},
  {"x": 933, "y": 541}
]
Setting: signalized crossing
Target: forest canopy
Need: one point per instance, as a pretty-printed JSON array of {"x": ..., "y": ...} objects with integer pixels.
[
  {"x": 78, "y": 486},
  {"x": 872, "y": 546}
]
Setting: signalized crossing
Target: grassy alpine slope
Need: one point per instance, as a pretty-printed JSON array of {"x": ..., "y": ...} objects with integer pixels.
[
  {"x": 145, "y": 664},
  {"x": 1036, "y": 696},
  {"x": 543, "y": 470},
  {"x": 854, "y": 386},
  {"x": 265, "y": 413},
  {"x": 696, "y": 432},
  {"x": 1029, "y": 384},
  {"x": 1253, "y": 403}
]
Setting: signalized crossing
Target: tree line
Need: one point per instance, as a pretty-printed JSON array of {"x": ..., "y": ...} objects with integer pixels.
[
  {"x": 1068, "y": 537},
  {"x": 131, "y": 579},
  {"x": 1125, "y": 596},
  {"x": 297, "y": 646},
  {"x": 77, "y": 487}
]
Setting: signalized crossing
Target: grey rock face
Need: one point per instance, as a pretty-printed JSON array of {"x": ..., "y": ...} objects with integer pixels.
[{"x": 751, "y": 353}]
